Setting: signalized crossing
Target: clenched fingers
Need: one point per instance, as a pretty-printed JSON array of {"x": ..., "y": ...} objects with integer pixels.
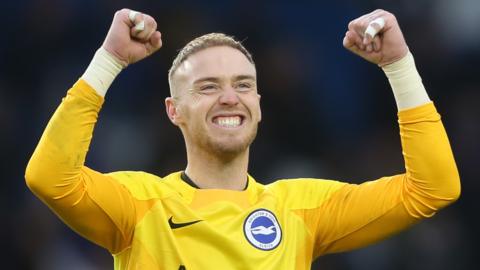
[
  {"x": 143, "y": 26},
  {"x": 365, "y": 32}
]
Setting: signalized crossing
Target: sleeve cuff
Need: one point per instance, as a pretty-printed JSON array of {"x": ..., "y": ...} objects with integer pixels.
[
  {"x": 86, "y": 92},
  {"x": 423, "y": 113}
]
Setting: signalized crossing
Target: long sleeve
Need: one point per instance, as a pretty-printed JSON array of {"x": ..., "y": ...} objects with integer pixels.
[
  {"x": 91, "y": 203},
  {"x": 431, "y": 180},
  {"x": 341, "y": 217},
  {"x": 366, "y": 213}
]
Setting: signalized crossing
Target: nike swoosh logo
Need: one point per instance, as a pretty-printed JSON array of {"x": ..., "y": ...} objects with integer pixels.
[{"x": 174, "y": 225}]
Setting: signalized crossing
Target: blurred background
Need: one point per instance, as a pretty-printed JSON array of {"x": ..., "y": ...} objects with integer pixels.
[{"x": 326, "y": 113}]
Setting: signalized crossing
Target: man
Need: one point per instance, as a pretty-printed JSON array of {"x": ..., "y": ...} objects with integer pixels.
[{"x": 214, "y": 215}]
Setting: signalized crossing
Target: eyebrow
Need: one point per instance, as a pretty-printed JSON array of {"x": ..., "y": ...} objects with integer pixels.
[
  {"x": 216, "y": 79},
  {"x": 244, "y": 77}
]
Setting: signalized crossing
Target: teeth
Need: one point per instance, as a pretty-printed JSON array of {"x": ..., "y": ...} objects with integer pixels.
[{"x": 229, "y": 122}]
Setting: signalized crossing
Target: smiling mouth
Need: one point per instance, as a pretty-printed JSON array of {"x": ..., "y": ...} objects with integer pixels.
[{"x": 228, "y": 121}]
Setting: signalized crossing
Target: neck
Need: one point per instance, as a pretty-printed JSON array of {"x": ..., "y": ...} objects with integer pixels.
[{"x": 213, "y": 171}]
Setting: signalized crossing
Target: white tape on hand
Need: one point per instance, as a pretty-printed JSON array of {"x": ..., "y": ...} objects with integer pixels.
[
  {"x": 131, "y": 15},
  {"x": 371, "y": 30},
  {"x": 138, "y": 26}
]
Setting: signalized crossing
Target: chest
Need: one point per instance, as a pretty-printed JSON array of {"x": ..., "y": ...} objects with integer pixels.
[{"x": 223, "y": 233}]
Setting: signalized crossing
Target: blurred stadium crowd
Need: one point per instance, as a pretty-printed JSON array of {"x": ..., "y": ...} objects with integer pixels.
[{"x": 326, "y": 113}]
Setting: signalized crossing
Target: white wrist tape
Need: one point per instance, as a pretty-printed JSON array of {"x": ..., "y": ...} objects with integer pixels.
[
  {"x": 406, "y": 83},
  {"x": 102, "y": 71}
]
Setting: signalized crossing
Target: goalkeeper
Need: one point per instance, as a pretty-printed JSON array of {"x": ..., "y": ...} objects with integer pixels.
[{"x": 213, "y": 214}]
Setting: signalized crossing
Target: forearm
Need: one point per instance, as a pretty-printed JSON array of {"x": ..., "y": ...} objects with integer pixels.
[
  {"x": 60, "y": 154},
  {"x": 432, "y": 179},
  {"x": 63, "y": 147},
  {"x": 406, "y": 83},
  {"x": 57, "y": 175},
  {"x": 101, "y": 72}
]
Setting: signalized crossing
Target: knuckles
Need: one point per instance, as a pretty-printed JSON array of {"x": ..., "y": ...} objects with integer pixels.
[
  {"x": 121, "y": 11},
  {"x": 350, "y": 24},
  {"x": 386, "y": 14},
  {"x": 363, "y": 21},
  {"x": 151, "y": 21}
]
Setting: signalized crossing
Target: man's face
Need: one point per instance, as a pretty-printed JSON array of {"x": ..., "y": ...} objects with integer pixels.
[{"x": 218, "y": 107}]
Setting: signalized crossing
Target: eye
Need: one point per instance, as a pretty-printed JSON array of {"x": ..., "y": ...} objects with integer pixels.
[
  {"x": 208, "y": 88},
  {"x": 244, "y": 86}
]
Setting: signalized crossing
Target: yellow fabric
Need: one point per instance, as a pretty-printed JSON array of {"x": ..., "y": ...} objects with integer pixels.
[{"x": 128, "y": 212}]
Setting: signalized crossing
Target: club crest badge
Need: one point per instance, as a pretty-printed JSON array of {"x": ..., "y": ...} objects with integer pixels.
[{"x": 262, "y": 229}]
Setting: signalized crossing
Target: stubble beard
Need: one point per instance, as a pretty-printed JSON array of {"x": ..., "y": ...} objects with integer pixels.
[{"x": 228, "y": 148}]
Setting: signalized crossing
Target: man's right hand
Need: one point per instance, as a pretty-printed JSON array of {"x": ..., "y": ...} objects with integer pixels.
[{"x": 129, "y": 44}]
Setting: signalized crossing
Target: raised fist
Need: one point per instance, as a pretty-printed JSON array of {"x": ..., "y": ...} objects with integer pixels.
[
  {"x": 132, "y": 36},
  {"x": 376, "y": 37}
]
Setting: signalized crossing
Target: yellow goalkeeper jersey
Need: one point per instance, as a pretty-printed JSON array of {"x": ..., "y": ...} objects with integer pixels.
[{"x": 151, "y": 222}]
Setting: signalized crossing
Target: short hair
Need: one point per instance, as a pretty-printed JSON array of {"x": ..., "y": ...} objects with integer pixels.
[{"x": 202, "y": 43}]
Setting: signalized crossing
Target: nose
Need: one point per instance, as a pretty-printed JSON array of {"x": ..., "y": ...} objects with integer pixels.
[{"x": 229, "y": 97}]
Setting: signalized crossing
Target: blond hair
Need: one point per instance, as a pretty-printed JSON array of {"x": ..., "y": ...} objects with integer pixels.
[{"x": 202, "y": 43}]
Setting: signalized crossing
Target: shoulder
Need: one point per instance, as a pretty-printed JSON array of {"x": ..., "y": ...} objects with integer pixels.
[
  {"x": 134, "y": 177},
  {"x": 141, "y": 184},
  {"x": 313, "y": 184},
  {"x": 304, "y": 192}
]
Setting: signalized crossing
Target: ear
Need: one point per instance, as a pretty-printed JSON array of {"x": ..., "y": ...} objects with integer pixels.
[{"x": 172, "y": 111}]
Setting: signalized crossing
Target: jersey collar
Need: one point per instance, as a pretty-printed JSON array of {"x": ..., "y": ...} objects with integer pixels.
[{"x": 188, "y": 189}]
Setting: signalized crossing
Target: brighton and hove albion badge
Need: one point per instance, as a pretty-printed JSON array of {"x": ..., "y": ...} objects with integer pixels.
[{"x": 262, "y": 229}]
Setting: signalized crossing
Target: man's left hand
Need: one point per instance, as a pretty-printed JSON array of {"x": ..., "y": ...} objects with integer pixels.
[{"x": 376, "y": 37}]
